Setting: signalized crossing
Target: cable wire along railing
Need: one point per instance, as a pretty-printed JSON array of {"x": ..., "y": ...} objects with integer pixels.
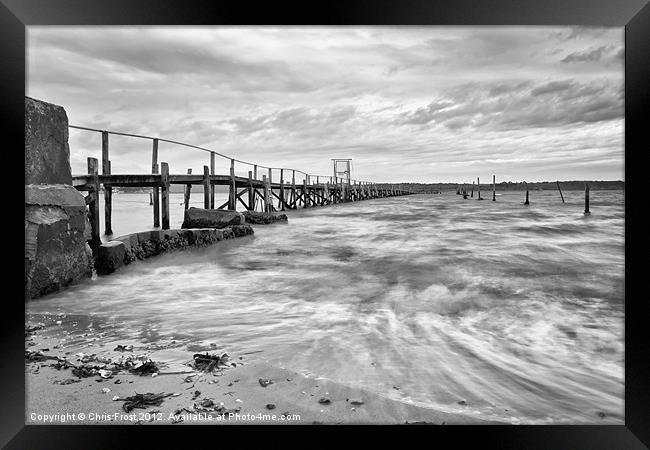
[{"x": 278, "y": 188}]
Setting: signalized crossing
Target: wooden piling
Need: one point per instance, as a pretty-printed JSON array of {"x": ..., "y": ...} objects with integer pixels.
[
  {"x": 526, "y": 202},
  {"x": 494, "y": 189},
  {"x": 587, "y": 199},
  {"x": 164, "y": 194},
  {"x": 212, "y": 156},
  {"x": 266, "y": 194},
  {"x": 294, "y": 194},
  {"x": 251, "y": 192},
  {"x": 478, "y": 187},
  {"x": 282, "y": 189},
  {"x": 304, "y": 193},
  {"x": 472, "y": 190},
  {"x": 188, "y": 191},
  {"x": 206, "y": 187},
  {"x": 93, "y": 205},
  {"x": 156, "y": 190},
  {"x": 232, "y": 191},
  {"x": 108, "y": 190},
  {"x": 270, "y": 181},
  {"x": 560, "y": 190}
]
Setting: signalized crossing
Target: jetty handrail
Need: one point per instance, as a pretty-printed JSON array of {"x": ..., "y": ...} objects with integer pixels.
[{"x": 170, "y": 141}]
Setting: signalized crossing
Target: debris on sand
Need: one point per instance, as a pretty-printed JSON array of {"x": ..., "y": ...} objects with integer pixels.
[
  {"x": 85, "y": 371},
  {"x": 144, "y": 368},
  {"x": 30, "y": 330},
  {"x": 143, "y": 400},
  {"x": 356, "y": 401},
  {"x": 196, "y": 395},
  {"x": 67, "y": 381},
  {"x": 207, "y": 363},
  {"x": 270, "y": 406},
  {"x": 208, "y": 405},
  {"x": 36, "y": 356},
  {"x": 324, "y": 401},
  {"x": 264, "y": 382}
]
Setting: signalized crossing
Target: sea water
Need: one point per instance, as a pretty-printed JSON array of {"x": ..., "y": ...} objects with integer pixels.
[{"x": 491, "y": 309}]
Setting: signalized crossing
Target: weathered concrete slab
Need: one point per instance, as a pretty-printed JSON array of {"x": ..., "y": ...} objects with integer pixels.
[
  {"x": 56, "y": 231},
  {"x": 211, "y": 218},
  {"x": 264, "y": 218},
  {"x": 47, "y": 154}
]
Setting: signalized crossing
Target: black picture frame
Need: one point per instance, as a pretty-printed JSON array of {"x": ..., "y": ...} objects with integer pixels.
[{"x": 633, "y": 14}]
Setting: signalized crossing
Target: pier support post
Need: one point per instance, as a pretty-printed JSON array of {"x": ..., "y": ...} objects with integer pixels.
[
  {"x": 212, "y": 155},
  {"x": 206, "y": 187},
  {"x": 270, "y": 181},
  {"x": 232, "y": 194},
  {"x": 164, "y": 194},
  {"x": 294, "y": 195},
  {"x": 478, "y": 187},
  {"x": 494, "y": 189},
  {"x": 108, "y": 190},
  {"x": 93, "y": 205},
  {"x": 266, "y": 194},
  {"x": 188, "y": 191},
  {"x": 282, "y": 202},
  {"x": 304, "y": 192},
  {"x": 587, "y": 199},
  {"x": 156, "y": 191},
  {"x": 251, "y": 192},
  {"x": 560, "y": 190},
  {"x": 472, "y": 195}
]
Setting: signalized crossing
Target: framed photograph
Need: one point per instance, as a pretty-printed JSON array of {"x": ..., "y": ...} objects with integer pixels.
[{"x": 372, "y": 214}]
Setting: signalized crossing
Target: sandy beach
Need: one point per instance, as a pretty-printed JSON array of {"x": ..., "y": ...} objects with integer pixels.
[{"x": 236, "y": 393}]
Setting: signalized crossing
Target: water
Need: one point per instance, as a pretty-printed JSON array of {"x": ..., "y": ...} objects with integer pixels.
[{"x": 517, "y": 311}]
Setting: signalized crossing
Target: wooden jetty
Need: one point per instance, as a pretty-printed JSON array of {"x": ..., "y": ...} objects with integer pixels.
[{"x": 288, "y": 192}]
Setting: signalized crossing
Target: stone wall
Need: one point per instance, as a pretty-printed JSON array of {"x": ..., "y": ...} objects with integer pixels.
[
  {"x": 56, "y": 221},
  {"x": 138, "y": 246}
]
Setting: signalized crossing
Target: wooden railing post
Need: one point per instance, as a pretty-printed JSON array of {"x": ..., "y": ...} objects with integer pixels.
[
  {"x": 93, "y": 205},
  {"x": 156, "y": 191},
  {"x": 251, "y": 192},
  {"x": 108, "y": 190},
  {"x": 188, "y": 191},
  {"x": 212, "y": 155},
  {"x": 164, "y": 195},
  {"x": 232, "y": 199},
  {"x": 206, "y": 187}
]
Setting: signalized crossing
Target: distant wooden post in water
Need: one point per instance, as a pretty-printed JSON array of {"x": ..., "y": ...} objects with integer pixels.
[
  {"x": 156, "y": 195},
  {"x": 164, "y": 194},
  {"x": 266, "y": 194},
  {"x": 494, "y": 189},
  {"x": 587, "y": 199},
  {"x": 472, "y": 190},
  {"x": 188, "y": 190},
  {"x": 478, "y": 187},
  {"x": 526, "y": 202},
  {"x": 558, "y": 188},
  {"x": 206, "y": 187}
]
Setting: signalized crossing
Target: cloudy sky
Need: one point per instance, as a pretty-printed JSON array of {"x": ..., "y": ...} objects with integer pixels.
[{"x": 427, "y": 104}]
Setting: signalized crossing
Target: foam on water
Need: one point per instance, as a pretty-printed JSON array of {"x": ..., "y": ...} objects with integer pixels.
[{"x": 515, "y": 311}]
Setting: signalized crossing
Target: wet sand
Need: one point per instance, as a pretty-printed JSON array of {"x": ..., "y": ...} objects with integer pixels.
[{"x": 234, "y": 389}]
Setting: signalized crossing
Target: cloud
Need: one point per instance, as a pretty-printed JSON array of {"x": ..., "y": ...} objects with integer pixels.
[
  {"x": 587, "y": 56},
  {"x": 417, "y": 102}
]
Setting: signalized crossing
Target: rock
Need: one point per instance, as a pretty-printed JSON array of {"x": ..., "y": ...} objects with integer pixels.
[
  {"x": 263, "y": 218},
  {"x": 264, "y": 383},
  {"x": 270, "y": 406},
  {"x": 324, "y": 401},
  {"x": 56, "y": 231},
  {"x": 110, "y": 257},
  {"x": 356, "y": 401},
  {"x": 211, "y": 218},
  {"x": 47, "y": 153}
]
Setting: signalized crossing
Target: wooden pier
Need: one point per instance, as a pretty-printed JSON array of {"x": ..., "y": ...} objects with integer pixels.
[{"x": 289, "y": 192}]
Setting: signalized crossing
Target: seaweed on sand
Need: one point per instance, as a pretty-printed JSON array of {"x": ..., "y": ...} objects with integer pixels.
[
  {"x": 143, "y": 400},
  {"x": 208, "y": 363}
]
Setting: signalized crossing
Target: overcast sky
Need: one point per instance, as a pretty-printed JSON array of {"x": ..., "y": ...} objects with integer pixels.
[{"x": 426, "y": 104}]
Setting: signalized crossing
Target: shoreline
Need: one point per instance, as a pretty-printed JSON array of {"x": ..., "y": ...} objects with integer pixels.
[{"x": 233, "y": 394}]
